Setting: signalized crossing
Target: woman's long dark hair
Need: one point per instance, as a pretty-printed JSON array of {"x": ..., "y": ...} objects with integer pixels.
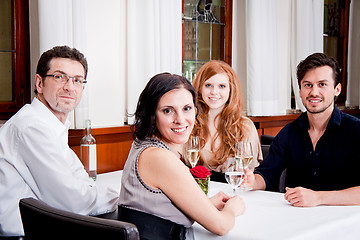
[{"x": 145, "y": 121}]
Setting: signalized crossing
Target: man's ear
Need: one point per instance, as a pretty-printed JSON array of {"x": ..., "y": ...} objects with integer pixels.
[
  {"x": 337, "y": 89},
  {"x": 38, "y": 83}
]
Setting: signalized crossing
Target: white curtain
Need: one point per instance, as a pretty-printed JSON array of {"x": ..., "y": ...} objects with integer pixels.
[
  {"x": 153, "y": 44},
  {"x": 306, "y": 36},
  {"x": 353, "y": 85},
  {"x": 267, "y": 30},
  {"x": 279, "y": 34},
  {"x": 61, "y": 22}
]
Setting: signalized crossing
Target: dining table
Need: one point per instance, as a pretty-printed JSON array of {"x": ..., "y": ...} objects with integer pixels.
[{"x": 269, "y": 216}]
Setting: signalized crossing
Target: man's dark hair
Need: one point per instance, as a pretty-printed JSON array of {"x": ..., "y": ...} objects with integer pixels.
[
  {"x": 316, "y": 60},
  {"x": 145, "y": 120},
  {"x": 43, "y": 65}
]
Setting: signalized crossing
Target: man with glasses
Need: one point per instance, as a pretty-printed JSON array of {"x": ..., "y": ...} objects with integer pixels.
[{"x": 35, "y": 159}]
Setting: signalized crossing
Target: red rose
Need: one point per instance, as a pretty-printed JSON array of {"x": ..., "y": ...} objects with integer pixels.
[{"x": 200, "y": 172}]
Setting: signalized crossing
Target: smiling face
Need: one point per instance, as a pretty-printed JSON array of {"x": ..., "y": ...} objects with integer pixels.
[
  {"x": 175, "y": 116},
  {"x": 317, "y": 90},
  {"x": 58, "y": 97},
  {"x": 215, "y": 91}
]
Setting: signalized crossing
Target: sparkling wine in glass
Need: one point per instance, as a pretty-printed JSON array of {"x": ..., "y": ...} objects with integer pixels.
[
  {"x": 192, "y": 150},
  {"x": 244, "y": 154},
  {"x": 234, "y": 173}
]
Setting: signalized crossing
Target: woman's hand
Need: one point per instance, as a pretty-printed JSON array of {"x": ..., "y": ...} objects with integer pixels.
[
  {"x": 219, "y": 200},
  {"x": 236, "y": 204}
]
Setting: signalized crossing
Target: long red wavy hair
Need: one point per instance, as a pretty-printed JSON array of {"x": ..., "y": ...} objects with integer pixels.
[{"x": 231, "y": 127}]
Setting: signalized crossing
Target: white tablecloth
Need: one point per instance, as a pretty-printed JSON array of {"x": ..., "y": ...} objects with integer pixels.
[
  {"x": 112, "y": 179},
  {"x": 269, "y": 216}
]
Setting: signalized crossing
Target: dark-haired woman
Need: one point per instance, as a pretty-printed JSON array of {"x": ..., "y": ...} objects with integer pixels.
[{"x": 156, "y": 185}]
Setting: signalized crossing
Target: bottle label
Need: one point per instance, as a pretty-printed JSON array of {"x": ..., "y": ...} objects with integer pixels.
[
  {"x": 88, "y": 156},
  {"x": 92, "y": 157}
]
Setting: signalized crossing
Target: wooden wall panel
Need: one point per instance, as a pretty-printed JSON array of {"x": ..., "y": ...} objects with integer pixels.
[
  {"x": 112, "y": 156},
  {"x": 272, "y": 131},
  {"x": 114, "y": 143}
]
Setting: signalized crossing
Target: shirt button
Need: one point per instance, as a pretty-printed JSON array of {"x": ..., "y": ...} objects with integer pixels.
[{"x": 314, "y": 173}]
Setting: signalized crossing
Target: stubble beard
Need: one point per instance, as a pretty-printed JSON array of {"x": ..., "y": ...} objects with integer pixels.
[{"x": 320, "y": 110}]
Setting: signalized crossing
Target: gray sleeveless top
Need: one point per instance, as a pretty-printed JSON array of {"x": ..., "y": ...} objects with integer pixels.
[{"x": 137, "y": 195}]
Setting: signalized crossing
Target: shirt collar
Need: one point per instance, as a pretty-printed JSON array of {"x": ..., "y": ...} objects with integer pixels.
[
  {"x": 55, "y": 123},
  {"x": 335, "y": 119}
]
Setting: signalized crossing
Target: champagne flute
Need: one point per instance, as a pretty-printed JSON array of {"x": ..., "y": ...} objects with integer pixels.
[
  {"x": 192, "y": 150},
  {"x": 234, "y": 173},
  {"x": 244, "y": 154}
]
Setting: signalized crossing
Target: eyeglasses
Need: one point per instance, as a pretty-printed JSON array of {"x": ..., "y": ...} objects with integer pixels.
[{"x": 64, "y": 78}]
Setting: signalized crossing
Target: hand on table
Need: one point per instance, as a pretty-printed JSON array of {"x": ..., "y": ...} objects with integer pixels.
[
  {"x": 302, "y": 197},
  {"x": 237, "y": 205},
  {"x": 219, "y": 200}
]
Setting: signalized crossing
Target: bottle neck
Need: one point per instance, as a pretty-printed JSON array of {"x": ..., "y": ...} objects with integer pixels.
[
  {"x": 87, "y": 131},
  {"x": 88, "y": 127}
]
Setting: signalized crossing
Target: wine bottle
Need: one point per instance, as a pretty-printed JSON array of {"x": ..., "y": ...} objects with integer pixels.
[{"x": 88, "y": 151}]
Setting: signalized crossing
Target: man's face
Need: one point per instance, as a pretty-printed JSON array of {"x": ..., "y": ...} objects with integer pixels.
[
  {"x": 317, "y": 90},
  {"x": 60, "y": 98}
]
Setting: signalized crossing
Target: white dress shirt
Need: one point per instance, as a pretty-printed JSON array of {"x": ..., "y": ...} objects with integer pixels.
[{"x": 36, "y": 161}]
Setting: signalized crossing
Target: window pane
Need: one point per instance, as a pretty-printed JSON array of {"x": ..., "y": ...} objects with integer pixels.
[
  {"x": 6, "y": 25},
  {"x": 331, "y": 27},
  {"x": 218, "y": 9},
  {"x": 189, "y": 9},
  {"x": 191, "y": 68},
  {"x": 203, "y": 40},
  {"x": 203, "y": 34},
  {"x": 6, "y": 49},
  {"x": 189, "y": 47},
  {"x": 6, "y": 76},
  {"x": 217, "y": 44}
]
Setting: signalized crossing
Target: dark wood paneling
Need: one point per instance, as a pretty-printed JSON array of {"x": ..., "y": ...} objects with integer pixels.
[
  {"x": 113, "y": 146},
  {"x": 114, "y": 143}
]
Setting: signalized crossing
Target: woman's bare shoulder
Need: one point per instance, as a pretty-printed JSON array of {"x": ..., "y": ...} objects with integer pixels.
[
  {"x": 155, "y": 157},
  {"x": 247, "y": 122}
]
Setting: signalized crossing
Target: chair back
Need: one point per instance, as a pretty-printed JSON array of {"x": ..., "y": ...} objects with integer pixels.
[
  {"x": 151, "y": 226},
  {"x": 40, "y": 221}
]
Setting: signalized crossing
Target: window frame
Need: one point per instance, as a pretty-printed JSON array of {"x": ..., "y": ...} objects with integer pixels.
[
  {"x": 228, "y": 32},
  {"x": 21, "y": 62},
  {"x": 343, "y": 49}
]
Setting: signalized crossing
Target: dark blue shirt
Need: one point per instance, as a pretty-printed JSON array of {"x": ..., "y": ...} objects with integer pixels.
[{"x": 333, "y": 165}]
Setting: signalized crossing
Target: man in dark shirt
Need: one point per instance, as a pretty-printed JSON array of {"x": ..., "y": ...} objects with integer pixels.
[{"x": 320, "y": 149}]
